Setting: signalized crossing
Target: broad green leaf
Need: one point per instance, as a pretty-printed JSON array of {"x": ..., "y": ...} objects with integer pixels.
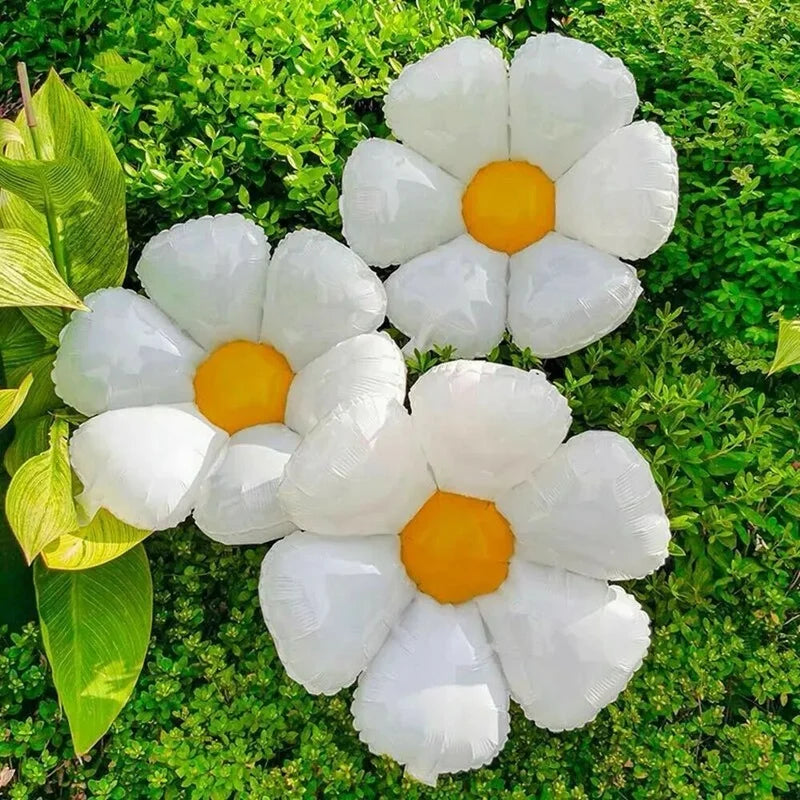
[
  {"x": 9, "y": 133},
  {"x": 95, "y": 628},
  {"x": 39, "y": 502},
  {"x": 787, "y": 353},
  {"x": 12, "y": 399},
  {"x": 31, "y": 437},
  {"x": 47, "y": 322},
  {"x": 93, "y": 230},
  {"x": 42, "y": 397},
  {"x": 103, "y": 539},
  {"x": 62, "y": 182},
  {"x": 19, "y": 342},
  {"x": 28, "y": 276},
  {"x": 117, "y": 71}
]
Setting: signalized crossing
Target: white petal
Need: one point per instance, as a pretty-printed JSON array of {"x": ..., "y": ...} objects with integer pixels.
[
  {"x": 434, "y": 697},
  {"x": 395, "y": 204},
  {"x": 592, "y": 508},
  {"x": 454, "y": 295},
  {"x": 123, "y": 352},
  {"x": 565, "y": 96},
  {"x": 209, "y": 274},
  {"x": 369, "y": 364},
  {"x": 238, "y": 501},
  {"x": 568, "y": 644},
  {"x": 329, "y": 603},
  {"x": 145, "y": 465},
  {"x": 319, "y": 293},
  {"x": 622, "y": 196},
  {"x": 485, "y": 427},
  {"x": 361, "y": 471},
  {"x": 452, "y": 106},
  {"x": 564, "y": 295}
]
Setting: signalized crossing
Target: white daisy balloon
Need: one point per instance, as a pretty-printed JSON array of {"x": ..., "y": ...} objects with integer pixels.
[
  {"x": 514, "y": 195},
  {"x": 199, "y": 395},
  {"x": 460, "y": 555}
]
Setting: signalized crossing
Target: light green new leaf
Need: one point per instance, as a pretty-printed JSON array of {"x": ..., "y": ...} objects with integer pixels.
[
  {"x": 9, "y": 133},
  {"x": 117, "y": 71},
  {"x": 12, "y": 399},
  {"x": 93, "y": 230},
  {"x": 28, "y": 276},
  {"x": 103, "y": 539},
  {"x": 96, "y": 628},
  {"x": 787, "y": 353},
  {"x": 62, "y": 182},
  {"x": 31, "y": 437},
  {"x": 39, "y": 502}
]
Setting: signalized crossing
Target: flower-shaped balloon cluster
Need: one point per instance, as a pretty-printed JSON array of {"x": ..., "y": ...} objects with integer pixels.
[{"x": 458, "y": 555}]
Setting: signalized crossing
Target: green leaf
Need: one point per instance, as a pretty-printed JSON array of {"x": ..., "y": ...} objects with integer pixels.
[
  {"x": 19, "y": 342},
  {"x": 728, "y": 463},
  {"x": 118, "y": 72},
  {"x": 12, "y": 399},
  {"x": 787, "y": 354},
  {"x": 95, "y": 628},
  {"x": 62, "y": 182},
  {"x": 39, "y": 502},
  {"x": 93, "y": 230},
  {"x": 28, "y": 276},
  {"x": 103, "y": 539},
  {"x": 31, "y": 437},
  {"x": 9, "y": 133},
  {"x": 42, "y": 396}
]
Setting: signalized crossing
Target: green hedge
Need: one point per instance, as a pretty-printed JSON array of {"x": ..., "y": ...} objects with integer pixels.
[{"x": 254, "y": 105}]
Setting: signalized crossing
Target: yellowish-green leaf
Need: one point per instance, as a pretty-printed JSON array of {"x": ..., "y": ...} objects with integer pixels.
[
  {"x": 12, "y": 399},
  {"x": 117, "y": 71},
  {"x": 42, "y": 397},
  {"x": 95, "y": 628},
  {"x": 9, "y": 133},
  {"x": 30, "y": 439},
  {"x": 787, "y": 353},
  {"x": 39, "y": 502},
  {"x": 62, "y": 182},
  {"x": 28, "y": 276},
  {"x": 93, "y": 231},
  {"x": 103, "y": 539}
]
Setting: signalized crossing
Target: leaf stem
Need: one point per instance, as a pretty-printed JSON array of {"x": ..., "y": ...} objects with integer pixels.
[{"x": 56, "y": 244}]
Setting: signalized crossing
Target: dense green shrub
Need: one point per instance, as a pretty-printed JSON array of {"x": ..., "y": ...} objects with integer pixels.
[{"x": 254, "y": 106}]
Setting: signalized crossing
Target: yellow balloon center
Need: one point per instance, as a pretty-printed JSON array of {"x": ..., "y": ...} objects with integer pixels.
[
  {"x": 242, "y": 384},
  {"x": 457, "y": 547},
  {"x": 509, "y": 205}
]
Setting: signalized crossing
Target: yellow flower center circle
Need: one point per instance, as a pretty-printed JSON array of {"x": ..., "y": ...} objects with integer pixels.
[
  {"x": 509, "y": 205},
  {"x": 456, "y": 547},
  {"x": 242, "y": 384}
]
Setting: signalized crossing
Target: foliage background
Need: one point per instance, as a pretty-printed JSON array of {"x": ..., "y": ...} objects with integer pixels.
[{"x": 253, "y": 106}]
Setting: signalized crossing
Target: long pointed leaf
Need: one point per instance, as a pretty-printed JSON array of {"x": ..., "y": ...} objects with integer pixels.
[
  {"x": 787, "y": 353},
  {"x": 62, "y": 182},
  {"x": 12, "y": 399},
  {"x": 28, "y": 276},
  {"x": 95, "y": 627},
  {"x": 39, "y": 502}
]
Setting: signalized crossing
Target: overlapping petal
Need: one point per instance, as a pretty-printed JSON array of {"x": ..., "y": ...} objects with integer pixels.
[
  {"x": 145, "y": 465},
  {"x": 564, "y": 294},
  {"x": 593, "y": 508},
  {"x": 318, "y": 294},
  {"x": 396, "y": 204},
  {"x": 454, "y": 295},
  {"x": 238, "y": 502},
  {"x": 329, "y": 603},
  {"x": 485, "y": 427},
  {"x": 209, "y": 275},
  {"x": 434, "y": 697},
  {"x": 123, "y": 352},
  {"x": 452, "y": 106},
  {"x": 568, "y": 644}
]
